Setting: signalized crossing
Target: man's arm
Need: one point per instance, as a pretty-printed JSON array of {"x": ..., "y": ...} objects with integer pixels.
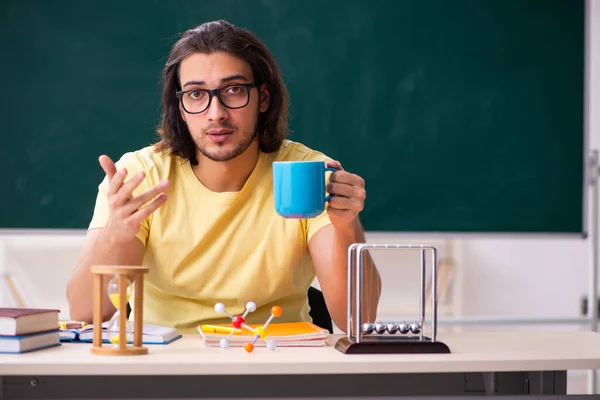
[
  {"x": 116, "y": 242},
  {"x": 329, "y": 251},
  {"x": 98, "y": 249}
]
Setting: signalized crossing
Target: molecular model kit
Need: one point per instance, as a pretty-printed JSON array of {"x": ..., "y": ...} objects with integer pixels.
[{"x": 239, "y": 322}]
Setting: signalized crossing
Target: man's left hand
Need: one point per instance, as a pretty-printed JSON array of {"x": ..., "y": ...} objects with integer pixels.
[{"x": 348, "y": 196}]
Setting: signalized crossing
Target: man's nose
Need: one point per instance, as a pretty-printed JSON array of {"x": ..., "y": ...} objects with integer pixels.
[{"x": 216, "y": 112}]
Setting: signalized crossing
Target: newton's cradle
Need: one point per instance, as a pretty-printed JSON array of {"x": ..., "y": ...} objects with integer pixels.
[{"x": 389, "y": 337}]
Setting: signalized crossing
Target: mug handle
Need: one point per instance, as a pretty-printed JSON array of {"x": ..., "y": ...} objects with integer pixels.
[{"x": 328, "y": 197}]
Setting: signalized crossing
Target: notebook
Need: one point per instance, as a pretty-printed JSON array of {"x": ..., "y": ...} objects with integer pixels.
[
  {"x": 151, "y": 334},
  {"x": 24, "y": 321},
  {"x": 287, "y": 334},
  {"x": 27, "y": 343}
]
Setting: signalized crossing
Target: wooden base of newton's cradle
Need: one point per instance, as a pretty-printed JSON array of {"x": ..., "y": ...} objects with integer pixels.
[
  {"x": 388, "y": 345},
  {"x": 136, "y": 275}
]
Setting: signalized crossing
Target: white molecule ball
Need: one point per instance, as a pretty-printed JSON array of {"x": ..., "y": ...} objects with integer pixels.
[
  {"x": 251, "y": 306},
  {"x": 224, "y": 343},
  {"x": 220, "y": 307},
  {"x": 271, "y": 345}
]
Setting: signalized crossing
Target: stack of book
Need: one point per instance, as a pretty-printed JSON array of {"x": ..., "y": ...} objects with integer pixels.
[
  {"x": 28, "y": 329},
  {"x": 287, "y": 334}
]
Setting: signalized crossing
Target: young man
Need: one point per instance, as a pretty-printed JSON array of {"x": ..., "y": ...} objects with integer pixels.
[{"x": 197, "y": 208}]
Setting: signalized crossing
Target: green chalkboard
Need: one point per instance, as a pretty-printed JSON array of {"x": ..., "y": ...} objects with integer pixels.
[{"x": 462, "y": 116}]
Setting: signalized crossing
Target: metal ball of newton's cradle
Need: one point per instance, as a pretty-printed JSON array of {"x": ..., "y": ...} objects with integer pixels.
[
  {"x": 368, "y": 328},
  {"x": 380, "y": 327},
  {"x": 403, "y": 327},
  {"x": 392, "y": 328},
  {"x": 415, "y": 327}
]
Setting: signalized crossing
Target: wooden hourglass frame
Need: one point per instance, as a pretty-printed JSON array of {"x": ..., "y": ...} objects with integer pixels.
[{"x": 124, "y": 274}]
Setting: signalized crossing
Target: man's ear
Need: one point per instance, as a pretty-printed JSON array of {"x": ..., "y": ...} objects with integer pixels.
[{"x": 265, "y": 98}]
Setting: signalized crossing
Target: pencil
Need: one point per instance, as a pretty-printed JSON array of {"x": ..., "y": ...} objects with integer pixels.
[{"x": 218, "y": 329}]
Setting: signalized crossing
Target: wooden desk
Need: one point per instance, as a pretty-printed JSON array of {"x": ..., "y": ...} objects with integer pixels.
[{"x": 504, "y": 363}]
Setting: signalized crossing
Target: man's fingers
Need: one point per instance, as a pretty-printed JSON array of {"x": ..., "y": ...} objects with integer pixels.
[
  {"x": 343, "y": 189},
  {"x": 148, "y": 195},
  {"x": 117, "y": 181},
  {"x": 345, "y": 203},
  {"x": 334, "y": 164},
  {"x": 126, "y": 191},
  {"x": 108, "y": 166},
  {"x": 149, "y": 209},
  {"x": 346, "y": 177},
  {"x": 115, "y": 178}
]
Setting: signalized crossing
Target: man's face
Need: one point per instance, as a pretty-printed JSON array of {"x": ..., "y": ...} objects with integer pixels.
[{"x": 220, "y": 133}]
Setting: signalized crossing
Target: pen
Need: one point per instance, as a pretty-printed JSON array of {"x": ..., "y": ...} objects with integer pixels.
[
  {"x": 72, "y": 325},
  {"x": 218, "y": 329}
]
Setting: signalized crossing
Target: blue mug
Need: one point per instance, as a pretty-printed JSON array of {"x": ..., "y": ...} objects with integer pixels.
[{"x": 299, "y": 188}]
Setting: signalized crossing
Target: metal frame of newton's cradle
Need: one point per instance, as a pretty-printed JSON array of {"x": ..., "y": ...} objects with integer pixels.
[{"x": 358, "y": 343}]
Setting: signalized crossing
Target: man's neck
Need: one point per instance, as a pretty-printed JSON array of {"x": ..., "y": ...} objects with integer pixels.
[{"x": 227, "y": 176}]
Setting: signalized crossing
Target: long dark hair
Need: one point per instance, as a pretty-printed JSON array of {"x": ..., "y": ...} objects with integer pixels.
[{"x": 211, "y": 37}]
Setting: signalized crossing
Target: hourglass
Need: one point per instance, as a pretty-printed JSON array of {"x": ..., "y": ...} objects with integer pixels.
[{"x": 120, "y": 281}]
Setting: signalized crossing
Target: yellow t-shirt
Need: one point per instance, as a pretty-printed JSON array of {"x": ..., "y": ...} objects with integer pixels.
[{"x": 204, "y": 247}]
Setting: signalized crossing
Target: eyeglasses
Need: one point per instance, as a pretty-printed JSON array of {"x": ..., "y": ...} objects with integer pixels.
[{"x": 195, "y": 101}]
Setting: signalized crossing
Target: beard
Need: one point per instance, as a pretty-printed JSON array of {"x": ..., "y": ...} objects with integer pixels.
[{"x": 225, "y": 151}]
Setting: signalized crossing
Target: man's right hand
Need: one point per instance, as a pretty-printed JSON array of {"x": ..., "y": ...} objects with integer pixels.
[{"x": 127, "y": 212}]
